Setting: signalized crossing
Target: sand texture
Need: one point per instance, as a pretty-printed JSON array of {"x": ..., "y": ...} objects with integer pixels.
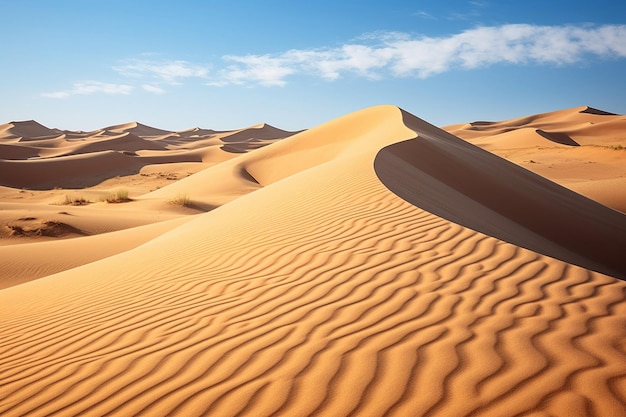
[{"x": 373, "y": 265}]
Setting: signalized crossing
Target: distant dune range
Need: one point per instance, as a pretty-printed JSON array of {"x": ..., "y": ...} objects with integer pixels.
[{"x": 372, "y": 265}]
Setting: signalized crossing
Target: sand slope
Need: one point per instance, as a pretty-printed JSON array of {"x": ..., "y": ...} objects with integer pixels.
[
  {"x": 474, "y": 188},
  {"x": 322, "y": 292},
  {"x": 580, "y": 148},
  {"x": 54, "y": 182}
]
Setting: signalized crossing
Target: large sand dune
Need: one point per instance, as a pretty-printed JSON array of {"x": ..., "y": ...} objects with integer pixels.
[{"x": 373, "y": 265}]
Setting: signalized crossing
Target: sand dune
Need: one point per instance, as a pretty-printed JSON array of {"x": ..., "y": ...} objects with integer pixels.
[
  {"x": 29, "y": 129},
  {"x": 464, "y": 184},
  {"x": 136, "y": 129},
  {"x": 580, "y": 148},
  {"x": 75, "y": 171},
  {"x": 19, "y": 265},
  {"x": 345, "y": 276},
  {"x": 85, "y": 159}
]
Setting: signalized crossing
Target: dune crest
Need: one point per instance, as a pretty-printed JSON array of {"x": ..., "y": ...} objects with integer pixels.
[
  {"x": 28, "y": 129},
  {"x": 319, "y": 291},
  {"x": 136, "y": 128},
  {"x": 464, "y": 184}
]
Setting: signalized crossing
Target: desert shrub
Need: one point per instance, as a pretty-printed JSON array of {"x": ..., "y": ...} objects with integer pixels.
[
  {"x": 73, "y": 201},
  {"x": 181, "y": 199},
  {"x": 118, "y": 196}
]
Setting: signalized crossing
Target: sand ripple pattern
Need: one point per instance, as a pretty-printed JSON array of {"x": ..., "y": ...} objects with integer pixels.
[{"x": 345, "y": 300}]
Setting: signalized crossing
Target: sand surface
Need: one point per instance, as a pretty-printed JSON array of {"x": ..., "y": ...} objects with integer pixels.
[{"x": 373, "y": 265}]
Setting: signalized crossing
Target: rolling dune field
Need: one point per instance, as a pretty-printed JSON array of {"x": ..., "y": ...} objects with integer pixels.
[{"x": 375, "y": 265}]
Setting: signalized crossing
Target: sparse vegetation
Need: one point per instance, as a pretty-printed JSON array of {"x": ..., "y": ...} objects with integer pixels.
[
  {"x": 181, "y": 199},
  {"x": 118, "y": 196},
  {"x": 619, "y": 147},
  {"x": 74, "y": 201},
  {"x": 32, "y": 227}
]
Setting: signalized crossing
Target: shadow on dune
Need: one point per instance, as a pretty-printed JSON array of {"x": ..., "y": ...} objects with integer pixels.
[
  {"x": 558, "y": 137},
  {"x": 79, "y": 171},
  {"x": 591, "y": 110},
  {"x": 460, "y": 182},
  {"x": 242, "y": 147}
]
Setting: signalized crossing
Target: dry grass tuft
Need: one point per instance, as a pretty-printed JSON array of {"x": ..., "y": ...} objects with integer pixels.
[
  {"x": 74, "y": 201},
  {"x": 118, "y": 196},
  {"x": 181, "y": 199}
]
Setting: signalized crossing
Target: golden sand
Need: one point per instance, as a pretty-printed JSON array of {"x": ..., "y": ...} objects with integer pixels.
[{"x": 373, "y": 265}]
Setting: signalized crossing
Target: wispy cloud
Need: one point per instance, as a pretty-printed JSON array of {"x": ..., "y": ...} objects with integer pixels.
[
  {"x": 153, "y": 74},
  {"x": 154, "y": 89},
  {"x": 423, "y": 14},
  {"x": 91, "y": 87},
  {"x": 474, "y": 11},
  {"x": 170, "y": 72},
  {"x": 478, "y": 3},
  {"x": 376, "y": 56},
  {"x": 259, "y": 69},
  {"x": 389, "y": 55}
]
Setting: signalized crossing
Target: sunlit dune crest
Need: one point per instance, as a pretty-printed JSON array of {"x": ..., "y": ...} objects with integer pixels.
[{"x": 373, "y": 265}]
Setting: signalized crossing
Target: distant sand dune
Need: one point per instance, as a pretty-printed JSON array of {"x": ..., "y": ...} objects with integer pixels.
[
  {"x": 74, "y": 171},
  {"x": 84, "y": 159},
  {"x": 29, "y": 129},
  {"x": 321, "y": 292},
  {"x": 581, "y": 148},
  {"x": 137, "y": 129}
]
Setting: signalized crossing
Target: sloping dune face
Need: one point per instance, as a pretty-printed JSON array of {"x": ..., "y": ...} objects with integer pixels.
[
  {"x": 321, "y": 293},
  {"x": 581, "y": 148},
  {"x": 467, "y": 185}
]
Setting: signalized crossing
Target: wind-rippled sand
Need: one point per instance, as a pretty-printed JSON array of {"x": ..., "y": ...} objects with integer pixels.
[{"x": 339, "y": 271}]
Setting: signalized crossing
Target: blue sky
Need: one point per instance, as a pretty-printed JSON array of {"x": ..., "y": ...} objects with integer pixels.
[{"x": 86, "y": 64}]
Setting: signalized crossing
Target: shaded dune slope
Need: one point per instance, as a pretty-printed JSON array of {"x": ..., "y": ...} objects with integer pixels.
[
  {"x": 79, "y": 171},
  {"x": 580, "y": 148},
  {"x": 464, "y": 184},
  {"x": 322, "y": 293}
]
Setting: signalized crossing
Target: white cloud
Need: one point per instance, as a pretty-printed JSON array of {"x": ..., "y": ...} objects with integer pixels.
[
  {"x": 170, "y": 72},
  {"x": 153, "y": 89},
  {"x": 379, "y": 55},
  {"x": 91, "y": 87},
  {"x": 260, "y": 69},
  {"x": 393, "y": 54}
]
